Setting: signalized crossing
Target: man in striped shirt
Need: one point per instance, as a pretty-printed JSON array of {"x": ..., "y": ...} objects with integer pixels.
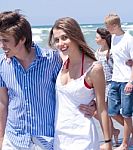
[{"x": 27, "y": 87}]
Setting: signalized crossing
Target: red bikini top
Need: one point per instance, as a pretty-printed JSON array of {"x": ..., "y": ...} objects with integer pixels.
[{"x": 66, "y": 65}]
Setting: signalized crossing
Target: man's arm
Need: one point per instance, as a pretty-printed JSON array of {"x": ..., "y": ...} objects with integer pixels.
[
  {"x": 3, "y": 112},
  {"x": 129, "y": 85},
  {"x": 129, "y": 62},
  {"x": 88, "y": 110}
]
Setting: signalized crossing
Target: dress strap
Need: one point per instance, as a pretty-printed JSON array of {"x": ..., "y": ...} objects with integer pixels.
[
  {"x": 66, "y": 64},
  {"x": 87, "y": 71},
  {"x": 92, "y": 65}
]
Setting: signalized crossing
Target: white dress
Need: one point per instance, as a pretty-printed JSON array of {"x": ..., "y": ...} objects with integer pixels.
[{"x": 73, "y": 131}]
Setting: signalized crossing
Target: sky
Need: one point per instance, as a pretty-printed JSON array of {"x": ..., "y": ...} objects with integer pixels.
[{"x": 45, "y": 12}]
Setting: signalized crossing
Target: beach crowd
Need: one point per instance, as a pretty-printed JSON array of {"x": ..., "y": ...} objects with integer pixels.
[{"x": 50, "y": 97}]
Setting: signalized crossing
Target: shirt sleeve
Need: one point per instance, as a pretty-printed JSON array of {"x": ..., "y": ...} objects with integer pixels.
[
  {"x": 131, "y": 47},
  {"x": 2, "y": 83},
  {"x": 57, "y": 62}
]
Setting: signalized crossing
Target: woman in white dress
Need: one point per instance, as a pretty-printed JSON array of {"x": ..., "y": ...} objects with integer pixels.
[{"x": 80, "y": 80}]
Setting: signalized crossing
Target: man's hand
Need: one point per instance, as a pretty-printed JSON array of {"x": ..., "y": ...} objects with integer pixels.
[
  {"x": 128, "y": 88},
  {"x": 129, "y": 62},
  {"x": 88, "y": 109}
]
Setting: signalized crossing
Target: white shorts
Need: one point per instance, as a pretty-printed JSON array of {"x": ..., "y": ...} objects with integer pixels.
[{"x": 34, "y": 145}]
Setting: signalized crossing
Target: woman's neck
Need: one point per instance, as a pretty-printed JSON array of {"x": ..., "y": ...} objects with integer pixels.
[
  {"x": 104, "y": 48},
  {"x": 75, "y": 57}
]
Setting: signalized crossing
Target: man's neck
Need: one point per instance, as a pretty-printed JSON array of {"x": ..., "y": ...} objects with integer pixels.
[
  {"x": 27, "y": 58},
  {"x": 119, "y": 32}
]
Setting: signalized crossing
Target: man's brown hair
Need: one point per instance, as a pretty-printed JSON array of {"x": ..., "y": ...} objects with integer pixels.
[
  {"x": 15, "y": 24},
  {"x": 111, "y": 19}
]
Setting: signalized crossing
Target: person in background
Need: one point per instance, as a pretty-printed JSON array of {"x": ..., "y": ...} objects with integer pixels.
[
  {"x": 80, "y": 80},
  {"x": 27, "y": 87},
  {"x": 121, "y": 90},
  {"x": 103, "y": 38}
]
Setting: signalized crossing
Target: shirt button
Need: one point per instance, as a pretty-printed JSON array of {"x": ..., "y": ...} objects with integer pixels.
[
  {"x": 28, "y": 112},
  {"x": 26, "y": 104}
]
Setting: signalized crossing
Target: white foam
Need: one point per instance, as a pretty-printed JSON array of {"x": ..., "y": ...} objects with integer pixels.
[{"x": 37, "y": 38}]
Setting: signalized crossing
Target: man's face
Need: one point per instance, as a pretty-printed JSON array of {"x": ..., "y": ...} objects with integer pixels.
[
  {"x": 8, "y": 44},
  {"x": 110, "y": 28}
]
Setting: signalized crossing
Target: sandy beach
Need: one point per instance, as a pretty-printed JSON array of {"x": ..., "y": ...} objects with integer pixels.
[{"x": 118, "y": 126}]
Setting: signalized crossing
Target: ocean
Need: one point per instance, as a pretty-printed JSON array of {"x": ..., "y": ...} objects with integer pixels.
[{"x": 41, "y": 33}]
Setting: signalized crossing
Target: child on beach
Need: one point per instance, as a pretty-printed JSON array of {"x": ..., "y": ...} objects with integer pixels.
[{"x": 79, "y": 77}]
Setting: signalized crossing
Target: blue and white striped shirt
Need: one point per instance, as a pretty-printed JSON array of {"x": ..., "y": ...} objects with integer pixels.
[{"x": 31, "y": 93}]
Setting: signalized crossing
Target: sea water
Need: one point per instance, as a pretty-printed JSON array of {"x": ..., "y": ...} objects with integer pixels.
[{"x": 41, "y": 33}]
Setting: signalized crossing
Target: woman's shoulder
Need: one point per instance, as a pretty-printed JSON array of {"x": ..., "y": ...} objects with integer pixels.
[
  {"x": 96, "y": 67},
  {"x": 95, "y": 73}
]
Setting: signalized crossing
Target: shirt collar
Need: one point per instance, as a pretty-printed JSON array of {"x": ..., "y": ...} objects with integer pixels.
[
  {"x": 38, "y": 51},
  {"x": 42, "y": 52}
]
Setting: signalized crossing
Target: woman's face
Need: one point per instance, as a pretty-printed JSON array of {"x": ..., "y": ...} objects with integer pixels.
[
  {"x": 99, "y": 39},
  {"x": 62, "y": 41}
]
